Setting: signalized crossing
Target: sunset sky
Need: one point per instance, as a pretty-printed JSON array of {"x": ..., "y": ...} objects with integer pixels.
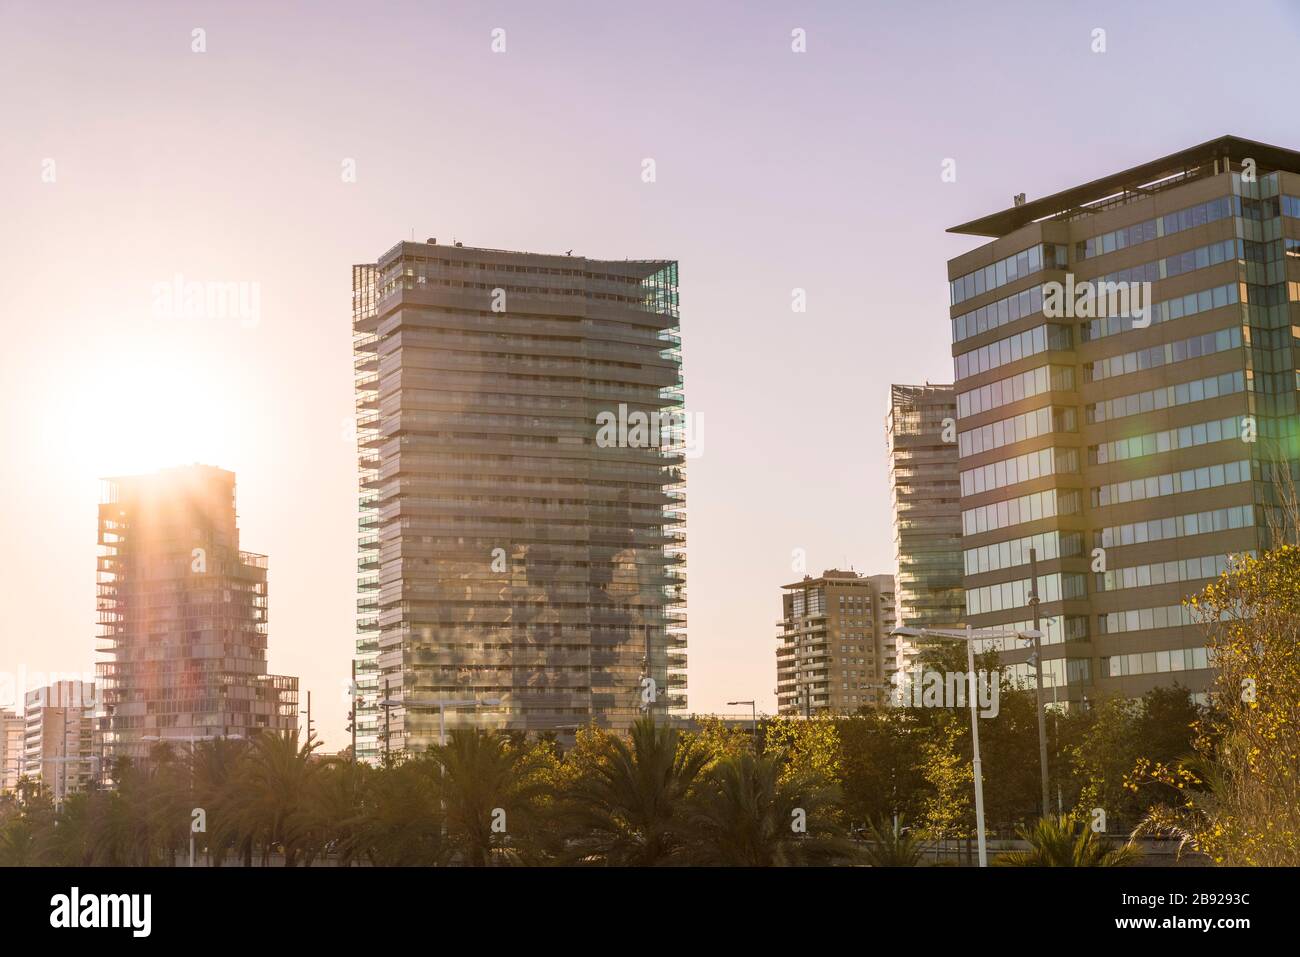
[{"x": 775, "y": 171}]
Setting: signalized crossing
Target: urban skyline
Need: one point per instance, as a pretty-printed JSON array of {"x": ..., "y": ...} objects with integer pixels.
[{"x": 268, "y": 398}]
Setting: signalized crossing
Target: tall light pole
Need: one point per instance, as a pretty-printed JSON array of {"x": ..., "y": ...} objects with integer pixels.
[
  {"x": 1038, "y": 673},
  {"x": 753, "y": 711},
  {"x": 968, "y": 635}
]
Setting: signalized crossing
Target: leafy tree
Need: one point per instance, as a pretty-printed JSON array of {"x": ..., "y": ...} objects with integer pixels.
[
  {"x": 810, "y": 747},
  {"x": 947, "y": 809},
  {"x": 1238, "y": 800},
  {"x": 880, "y": 765}
]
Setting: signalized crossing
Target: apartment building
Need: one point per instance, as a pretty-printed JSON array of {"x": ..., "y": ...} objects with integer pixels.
[
  {"x": 60, "y": 744},
  {"x": 833, "y": 641},
  {"x": 13, "y": 730},
  {"x": 520, "y": 565},
  {"x": 1135, "y": 445},
  {"x": 182, "y": 617},
  {"x": 921, "y": 436}
]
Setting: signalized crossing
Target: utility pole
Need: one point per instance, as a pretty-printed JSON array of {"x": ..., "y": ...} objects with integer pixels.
[
  {"x": 388, "y": 708},
  {"x": 308, "y": 714},
  {"x": 1038, "y": 672}
]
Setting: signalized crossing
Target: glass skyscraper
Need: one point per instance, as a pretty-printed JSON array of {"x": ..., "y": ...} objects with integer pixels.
[
  {"x": 521, "y": 565},
  {"x": 1137, "y": 450}
]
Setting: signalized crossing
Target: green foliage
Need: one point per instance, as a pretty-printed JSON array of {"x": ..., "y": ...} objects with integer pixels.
[
  {"x": 1237, "y": 799},
  {"x": 1066, "y": 841},
  {"x": 888, "y": 846},
  {"x": 747, "y": 812}
]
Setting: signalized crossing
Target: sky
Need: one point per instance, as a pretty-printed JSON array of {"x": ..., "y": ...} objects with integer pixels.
[{"x": 129, "y": 159}]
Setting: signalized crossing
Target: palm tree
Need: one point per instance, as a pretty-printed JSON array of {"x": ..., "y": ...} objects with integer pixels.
[
  {"x": 1067, "y": 841},
  {"x": 742, "y": 814},
  {"x": 399, "y": 820},
  {"x": 333, "y": 809},
  {"x": 891, "y": 847},
  {"x": 629, "y": 809},
  {"x": 267, "y": 805},
  {"x": 489, "y": 792},
  {"x": 215, "y": 769},
  {"x": 18, "y": 843}
]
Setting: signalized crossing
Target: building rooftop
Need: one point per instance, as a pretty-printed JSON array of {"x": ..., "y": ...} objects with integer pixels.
[{"x": 1192, "y": 163}]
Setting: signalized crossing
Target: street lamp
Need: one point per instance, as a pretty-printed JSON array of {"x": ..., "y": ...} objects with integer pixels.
[
  {"x": 753, "y": 711},
  {"x": 968, "y": 635}
]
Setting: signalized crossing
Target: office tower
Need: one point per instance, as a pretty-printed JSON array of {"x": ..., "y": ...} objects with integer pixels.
[
  {"x": 834, "y": 633},
  {"x": 921, "y": 433},
  {"x": 520, "y": 567},
  {"x": 60, "y": 746},
  {"x": 13, "y": 731},
  {"x": 182, "y": 617},
  {"x": 1135, "y": 448}
]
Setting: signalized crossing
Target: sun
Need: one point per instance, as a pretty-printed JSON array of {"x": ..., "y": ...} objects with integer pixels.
[{"x": 128, "y": 409}]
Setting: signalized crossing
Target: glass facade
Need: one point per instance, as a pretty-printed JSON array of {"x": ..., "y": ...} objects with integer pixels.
[
  {"x": 925, "y": 498},
  {"x": 516, "y": 570},
  {"x": 1162, "y": 474}
]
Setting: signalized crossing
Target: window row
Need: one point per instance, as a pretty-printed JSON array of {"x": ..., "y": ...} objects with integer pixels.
[
  {"x": 1014, "y": 388},
  {"x": 1176, "y": 526},
  {"x": 1017, "y": 266},
  {"x": 1171, "y": 483},
  {"x": 1017, "y": 511},
  {"x": 1182, "y": 393},
  {"x": 1192, "y": 348},
  {"x": 1162, "y": 573},
  {"x": 1020, "y": 468},
  {"x": 1167, "y": 225},
  {"x": 1057, "y": 673},
  {"x": 1167, "y": 310},
  {"x": 1202, "y": 433},
  {"x": 1059, "y": 586},
  {"x": 1026, "y": 425},
  {"x": 999, "y": 555},
  {"x": 1004, "y": 351},
  {"x": 1155, "y": 662},
  {"x": 997, "y": 313},
  {"x": 1179, "y": 263},
  {"x": 1146, "y": 619},
  {"x": 1056, "y": 630}
]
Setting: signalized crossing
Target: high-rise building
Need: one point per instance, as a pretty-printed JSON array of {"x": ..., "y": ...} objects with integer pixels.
[
  {"x": 60, "y": 744},
  {"x": 921, "y": 434},
  {"x": 519, "y": 567},
  {"x": 1133, "y": 434},
  {"x": 182, "y": 617},
  {"x": 833, "y": 640},
  {"x": 13, "y": 732}
]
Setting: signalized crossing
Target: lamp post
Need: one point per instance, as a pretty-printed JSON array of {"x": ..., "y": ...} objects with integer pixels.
[
  {"x": 1038, "y": 674},
  {"x": 968, "y": 635},
  {"x": 753, "y": 711}
]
